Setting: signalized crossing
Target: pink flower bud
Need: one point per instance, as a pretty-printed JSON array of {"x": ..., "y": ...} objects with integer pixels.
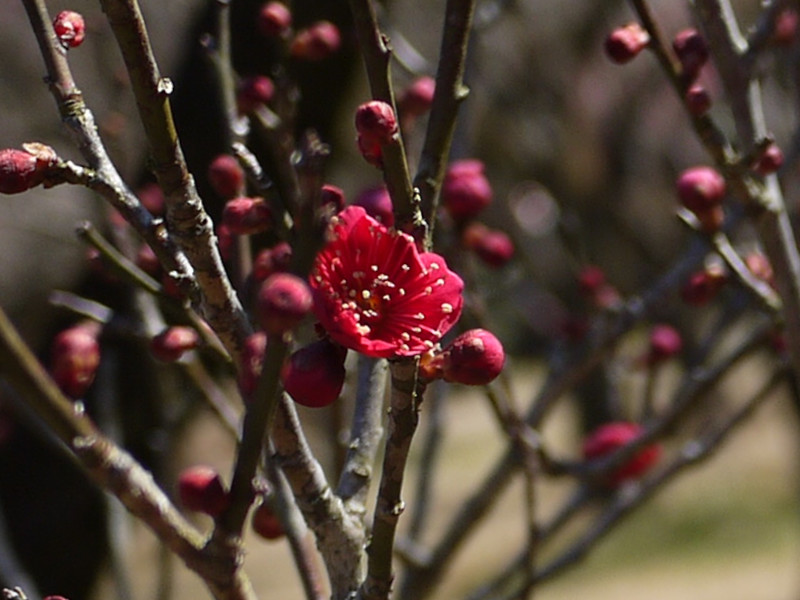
[
  {"x": 608, "y": 438},
  {"x": 475, "y": 357},
  {"x": 19, "y": 171},
  {"x": 700, "y": 188},
  {"x": 200, "y": 489},
  {"x": 698, "y": 102},
  {"x": 417, "y": 98},
  {"x": 590, "y": 279},
  {"x": 703, "y": 286},
  {"x": 692, "y": 52},
  {"x": 272, "y": 260},
  {"x": 760, "y": 266},
  {"x": 333, "y": 197},
  {"x": 466, "y": 190},
  {"x": 274, "y": 19},
  {"x": 665, "y": 342},
  {"x": 625, "y": 43},
  {"x": 314, "y": 375},
  {"x": 253, "y": 351},
  {"x": 283, "y": 302},
  {"x": 376, "y": 126},
  {"x": 152, "y": 198},
  {"x": 493, "y": 247},
  {"x": 253, "y": 92},
  {"x": 785, "y": 30},
  {"x": 174, "y": 342},
  {"x": 317, "y": 42},
  {"x": 246, "y": 216},
  {"x": 70, "y": 28},
  {"x": 266, "y": 523},
  {"x": 770, "y": 161},
  {"x": 378, "y": 204},
  {"x": 226, "y": 176},
  {"x": 74, "y": 358}
]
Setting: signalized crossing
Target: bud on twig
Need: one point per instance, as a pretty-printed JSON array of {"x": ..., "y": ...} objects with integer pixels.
[
  {"x": 283, "y": 302},
  {"x": 378, "y": 204},
  {"x": 174, "y": 342},
  {"x": 314, "y": 375},
  {"x": 246, "y": 216},
  {"x": 625, "y": 43},
  {"x": 475, "y": 357},
  {"x": 376, "y": 126},
  {"x": 20, "y": 171},
  {"x": 274, "y": 20},
  {"x": 70, "y": 28},
  {"x": 317, "y": 42},
  {"x": 75, "y": 356},
  {"x": 609, "y": 438},
  {"x": 200, "y": 488},
  {"x": 466, "y": 190},
  {"x": 226, "y": 176}
]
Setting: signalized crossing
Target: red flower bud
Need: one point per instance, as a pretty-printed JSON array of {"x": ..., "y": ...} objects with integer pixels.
[
  {"x": 253, "y": 92},
  {"x": 75, "y": 356},
  {"x": 700, "y": 188},
  {"x": 785, "y": 30},
  {"x": 255, "y": 346},
  {"x": 590, "y": 279},
  {"x": 272, "y": 260},
  {"x": 378, "y": 204},
  {"x": 332, "y": 196},
  {"x": 417, "y": 98},
  {"x": 283, "y": 302},
  {"x": 200, "y": 488},
  {"x": 466, "y": 190},
  {"x": 376, "y": 126},
  {"x": 770, "y": 161},
  {"x": 174, "y": 342},
  {"x": 70, "y": 28},
  {"x": 317, "y": 42},
  {"x": 226, "y": 176},
  {"x": 266, "y": 523},
  {"x": 625, "y": 43},
  {"x": 692, "y": 52},
  {"x": 314, "y": 375},
  {"x": 610, "y": 437},
  {"x": 246, "y": 216},
  {"x": 475, "y": 357},
  {"x": 703, "y": 286},
  {"x": 665, "y": 342},
  {"x": 19, "y": 171},
  {"x": 493, "y": 247},
  {"x": 698, "y": 102},
  {"x": 274, "y": 19}
]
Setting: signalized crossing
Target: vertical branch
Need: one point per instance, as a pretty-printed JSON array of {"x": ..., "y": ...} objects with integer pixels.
[
  {"x": 187, "y": 219},
  {"x": 403, "y": 418}
]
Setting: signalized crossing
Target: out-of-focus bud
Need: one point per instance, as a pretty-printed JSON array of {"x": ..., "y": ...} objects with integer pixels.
[
  {"x": 226, "y": 176},
  {"x": 417, "y": 98},
  {"x": 283, "y": 302},
  {"x": 254, "y": 91},
  {"x": 665, "y": 342},
  {"x": 493, "y": 247},
  {"x": 770, "y": 161},
  {"x": 475, "y": 357},
  {"x": 200, "y": 489},
  {"x": 333, "y": 197},
  {"x": 317, "y": 42},
  {"x": 625, "y": 43},
  {"x": 314, "y": 375},
  {"x": 703, "y": 286},
  {"x": 785, "y": 31},
  {"x": 70, "y": 28},
  {"x": 272, "y": 260},
  {"x": 172, "y": 343},
  {"x": 246, "y": 216},
  {"x": 152, "y": 198},
  {"x": 378, "y": 204},
  {"x": 609, "y": 438},
  {"x": 692, "y": 52},
  {"x": 466, "y": 190},
  {"x": 760, "y": 266},
  {"x": 274, "y": 20},
  {"x": 255, "y": 346},
  {"x": 700, "y": 188},
  {"x": 595, "y": 287},
  {"x": 698, "y": 102},
  {"x": 266, "y": 523},
  {"x": 74, "y": 358}
]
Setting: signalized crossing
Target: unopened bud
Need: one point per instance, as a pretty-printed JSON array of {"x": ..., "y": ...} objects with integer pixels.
[
  {"x": 74, "y": 358},
  {"x": 272, "y": 260},
  {"x": 770, "y": 161},
  {"x": 625, "y": 43},
  {"x": 665, "y": 342},
  {"x": 283, "y": 302},
  {"x": 785, "y": 30},
  {"x": 378, "y": 204},
  {"x": 226, "y": 176},
  {"x": 466, "y": 190},
  {"x": 70, "y": 28},
  {"x": 698, "y": 102},
  {"x": 246, "y": 216},
  {"x": 610, "y": 437},
  {"x": 493, "y": 247},
  {"x": 417, "y": 98},
  {"x": 475, "y": 357},
  {"x": 333, "y": 197},
  {"x": 692, "y": 52},
  {"x": 200, "y": 489},
  {"x": 317, "y": 42},
  {"x": 20, "y": 171},
  {"x": 700, "y": 188},
  {"x": 174, "y": 342},
  {"x": 376, "y": 125},
  {"x": 253, "y": 351},
  {"x": 703, "y": 286},
  {"x": 274, "y": 19},
  {"x": 253, "y": 92},
  {"x": 266, "y": 523},
  {"x": 314, "y": 375}
]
